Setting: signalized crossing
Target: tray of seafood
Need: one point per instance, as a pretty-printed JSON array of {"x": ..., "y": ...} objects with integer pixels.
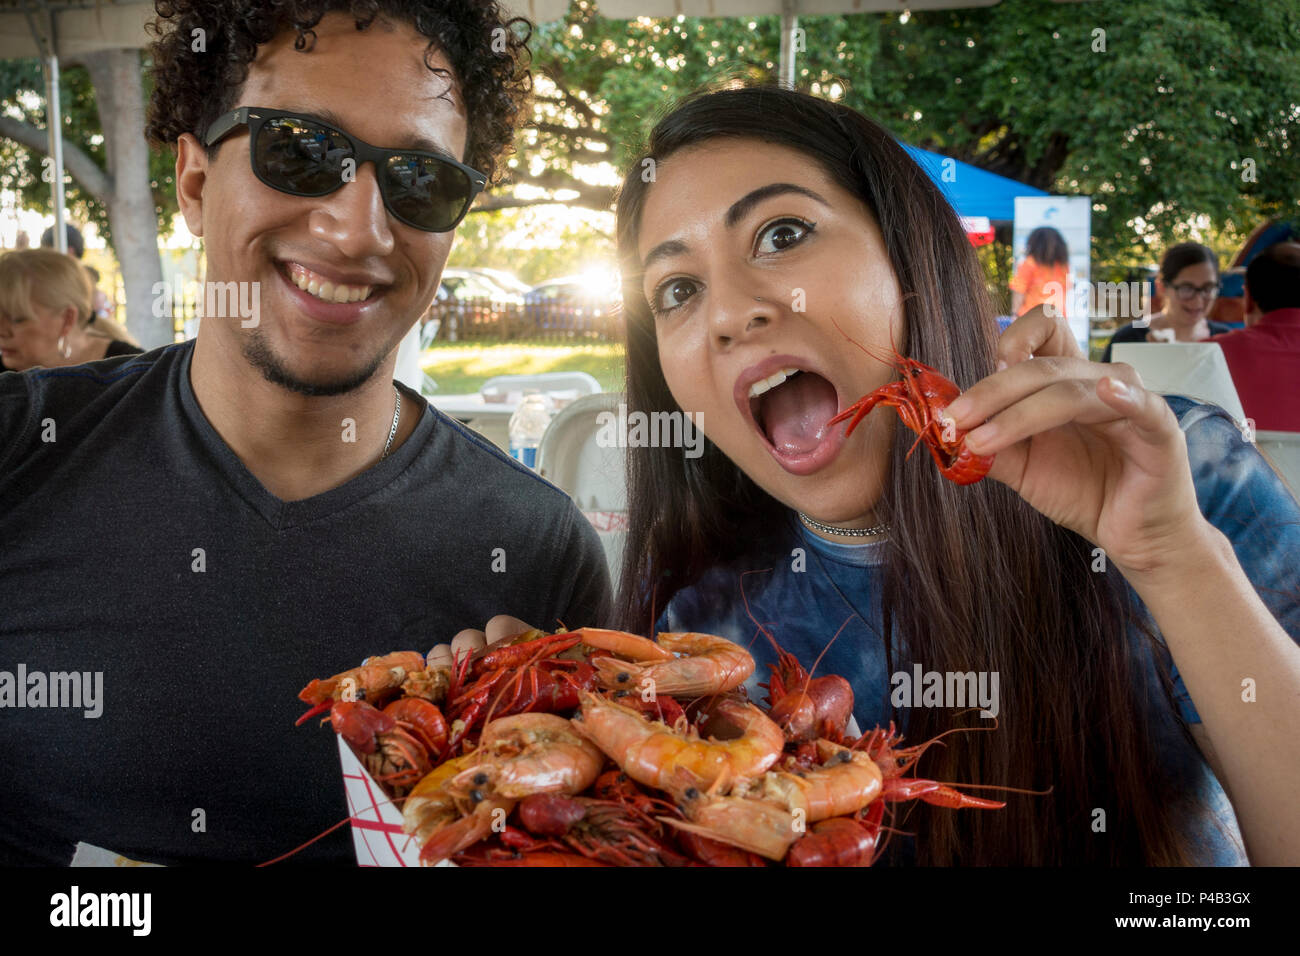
[{"x": 602, "y": 748}]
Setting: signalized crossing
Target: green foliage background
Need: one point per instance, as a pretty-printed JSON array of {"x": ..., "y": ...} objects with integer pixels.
[
  {"x": 22, "y": 96},
  {"x": 1151, "y": 108}
]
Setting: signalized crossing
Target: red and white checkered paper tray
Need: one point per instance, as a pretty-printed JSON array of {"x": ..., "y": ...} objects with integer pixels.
[{"x": 377, "y": 832}]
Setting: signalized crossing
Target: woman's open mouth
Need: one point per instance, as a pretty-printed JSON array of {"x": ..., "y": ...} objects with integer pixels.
[{"x": 789, "y": 406}]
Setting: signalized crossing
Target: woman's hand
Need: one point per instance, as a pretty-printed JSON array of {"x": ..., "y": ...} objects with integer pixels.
[
  {"x": 1036, "y": 333},
  {"x": 1086, "y": 445},
  {"x": 1133, "y": 480},
  {"x": 468, "y": 641}
]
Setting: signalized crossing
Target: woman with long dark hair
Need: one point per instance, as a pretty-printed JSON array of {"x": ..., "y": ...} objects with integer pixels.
[{"x": 763, "y": 237}]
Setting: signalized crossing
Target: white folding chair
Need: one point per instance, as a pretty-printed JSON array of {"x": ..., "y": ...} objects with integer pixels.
[
  {"x": 1200, "y": 370},
  {"x": 572, "y": 457},
  {"x": 1283, "y": 450},
  {"x": 1195, "y": 369}
]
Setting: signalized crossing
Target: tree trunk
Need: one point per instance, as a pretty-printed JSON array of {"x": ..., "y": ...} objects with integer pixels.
[{"x": 119, "y": 95}]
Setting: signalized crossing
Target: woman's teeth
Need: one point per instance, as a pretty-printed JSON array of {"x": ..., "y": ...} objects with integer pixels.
[
  {"x": 325, "y": 290},
  {"x": 772, "y": 381}
]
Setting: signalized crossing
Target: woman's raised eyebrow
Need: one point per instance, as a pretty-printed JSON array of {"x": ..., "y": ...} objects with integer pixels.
[
  {"x": 747, "y": 202},
  {"x": 735, "y": 213},
  {"x": 665, "y": 250}
]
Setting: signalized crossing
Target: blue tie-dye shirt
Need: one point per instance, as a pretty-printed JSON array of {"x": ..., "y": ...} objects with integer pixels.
[{"x": 839, "y": 585}]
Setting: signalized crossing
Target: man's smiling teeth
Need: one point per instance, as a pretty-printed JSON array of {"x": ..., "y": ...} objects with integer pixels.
[
  {"x": 325, "y": 290},
  {"x": 772, "y": 381}
]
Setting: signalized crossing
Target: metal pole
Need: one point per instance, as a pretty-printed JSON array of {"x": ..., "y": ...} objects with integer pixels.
[
  {"x": 789, "y": 23},
  {"x": 53, "y": 115},
  {"x": 55, "y": 119}
]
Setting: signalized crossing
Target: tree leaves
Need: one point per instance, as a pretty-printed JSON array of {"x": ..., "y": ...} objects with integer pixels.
[
  {"x": 1158, "y": 124},
  {"x": 1150, "y": 108},
  {"x": 22, "y": 97}
]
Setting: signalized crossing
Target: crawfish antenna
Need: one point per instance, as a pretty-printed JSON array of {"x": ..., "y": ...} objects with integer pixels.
[
  {"x": 318, "y": 709},
  {"x": 301, "y": 847},
  {"x": 869, "y": 353},
  {"x": 749, "y": 611},
  {"x": 654, "y": 599},
  {"x": 812, "y": 670}
]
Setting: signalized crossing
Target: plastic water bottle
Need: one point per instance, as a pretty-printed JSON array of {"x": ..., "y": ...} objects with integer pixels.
[{"x": 527, "y": 426}]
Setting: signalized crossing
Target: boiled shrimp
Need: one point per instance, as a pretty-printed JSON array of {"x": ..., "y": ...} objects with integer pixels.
[
  {"x": 442, "y": 822},
  {"x": 708, "y": 664},
  {"x": 526, "y": 754},
  {"x": 375, "y": 679},
  {"x": 768, "y": 814},
  {"x": 656, "y": 755}
]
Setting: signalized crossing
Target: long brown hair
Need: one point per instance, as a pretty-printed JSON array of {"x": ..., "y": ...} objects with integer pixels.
[{"x": 975, "y": 579}]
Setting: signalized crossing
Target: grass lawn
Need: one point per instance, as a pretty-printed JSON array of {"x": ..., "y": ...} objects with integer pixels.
[{"x": 460, "y": 368}]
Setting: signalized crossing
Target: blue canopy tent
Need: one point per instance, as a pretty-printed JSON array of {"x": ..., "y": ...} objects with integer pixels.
[
  {"x": 978, "y": 196},
  {"x": 973, "y": 192}
]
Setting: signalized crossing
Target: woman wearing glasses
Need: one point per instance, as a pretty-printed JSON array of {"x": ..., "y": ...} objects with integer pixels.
[
  {"x": 775, "y": 230},
  {"x": 1189, "y": 283}
]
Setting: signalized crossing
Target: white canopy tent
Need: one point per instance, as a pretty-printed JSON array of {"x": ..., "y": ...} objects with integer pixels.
[{"x": 54, "y": 29}]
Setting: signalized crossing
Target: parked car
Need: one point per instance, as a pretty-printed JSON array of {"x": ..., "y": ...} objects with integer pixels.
[
  {"x": 467, "y": 300},
  {"x": 579, "y": 303},
  {"x": 506, "y": 280}
]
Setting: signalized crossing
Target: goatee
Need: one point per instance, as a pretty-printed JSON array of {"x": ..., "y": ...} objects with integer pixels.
[{"x": 261, "y": 357}]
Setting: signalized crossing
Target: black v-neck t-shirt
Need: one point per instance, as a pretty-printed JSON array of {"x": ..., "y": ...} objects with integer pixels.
[{"x": 135, "y": 545}]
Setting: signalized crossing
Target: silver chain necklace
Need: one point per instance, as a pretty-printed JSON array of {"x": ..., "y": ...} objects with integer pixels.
[
  {"x": 847, "y": 532},
  {"x": 397, "y": 414}
]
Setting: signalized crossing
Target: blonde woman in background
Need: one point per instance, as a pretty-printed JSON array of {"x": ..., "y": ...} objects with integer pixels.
[{"x": 47, "y": 317}]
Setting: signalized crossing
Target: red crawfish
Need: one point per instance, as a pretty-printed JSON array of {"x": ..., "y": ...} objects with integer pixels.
[
  {"x": 612, "y": 831},
  {"x": 399, "y": 744},
  {"x": 522, "y": 675},
  {"x": 919, "y": 397},
  {"x": 840, "y": 841},
  {"x": 807, "y": 707}
]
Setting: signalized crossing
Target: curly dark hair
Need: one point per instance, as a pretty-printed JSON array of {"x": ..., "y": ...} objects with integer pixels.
[{"x": 189, "y": 93}]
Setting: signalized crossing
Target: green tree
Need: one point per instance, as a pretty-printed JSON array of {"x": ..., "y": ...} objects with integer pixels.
[
  {"x": 22, "y": 99},
  {"x": 601, "y": 84},
  {"x": 529, "y": 243},
  {"x": 1153, "y": 109}
]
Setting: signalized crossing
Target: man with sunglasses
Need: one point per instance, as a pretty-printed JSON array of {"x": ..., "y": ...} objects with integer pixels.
[{"x": 197, "y": 532}]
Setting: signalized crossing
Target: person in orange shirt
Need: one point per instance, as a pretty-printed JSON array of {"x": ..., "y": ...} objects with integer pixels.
[{"x": 1043, "y": 278}]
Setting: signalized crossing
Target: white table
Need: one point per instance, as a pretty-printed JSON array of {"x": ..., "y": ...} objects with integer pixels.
[{"x": 490, "y": 419}]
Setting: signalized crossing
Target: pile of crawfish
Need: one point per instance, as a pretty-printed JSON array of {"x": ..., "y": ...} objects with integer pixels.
[{"x": 596, "y": 747}]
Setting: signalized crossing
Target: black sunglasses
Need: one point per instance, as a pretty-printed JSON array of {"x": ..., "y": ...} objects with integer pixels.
[{"x": 304, "y": 156}]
